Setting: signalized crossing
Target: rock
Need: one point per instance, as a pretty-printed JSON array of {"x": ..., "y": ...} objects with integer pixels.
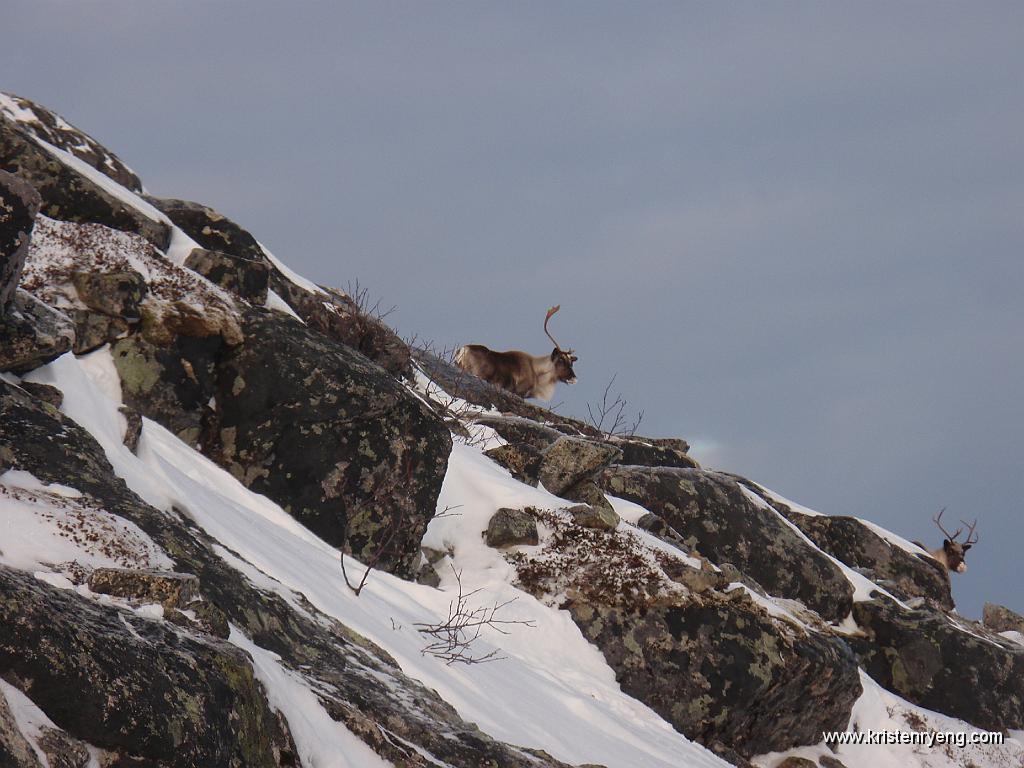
[
  {"x": 165, "y": 587},
  {"x": 19, "y": 203},
  {"x": 171, "y": 384},
  {"x": 714, "y": 514},
  {"x": 855, "y": 544},
  {"x": 826, "y": 761},
  {"x": 569, "y": 460},
  {"x": 594, "y": 517},
  {"x": 341, "y": 445},
  {"x": 331, "y": 312},
  {"x": 796, "y": 762},
  {"x": 55, "y": 130},
  {"x": 510, "y": 527},
  {"x": 68, "y": 195},
  {"x": 62, "y": 751},
  {"x": 133, "y": 427},
  {"x": 939, "y": 662},
  {"x": 212, "y": 230},
  {"x": 653, "y": 452},
  {"x": 586, "y": 491},
  {"x": 32, "y": 334},
  {"x": 15, "y": 751},
  {"x": 519, "y": 431},
  {"x": 998, "y": 618},
  {"x": 338, "y": 316},
  {"x": 45, "y": 392},
  {"x": 246, "y": 278},
  {"x": 714, "y": 665},
  {"x": 93, "y": 330},
  {"x": 222, "y": 718},
  {"x": 521, "y": 459},
  {"x": 119, "y": 293}
]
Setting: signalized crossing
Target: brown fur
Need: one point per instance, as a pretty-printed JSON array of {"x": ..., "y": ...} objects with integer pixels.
[{"x": 518, "y": 372}]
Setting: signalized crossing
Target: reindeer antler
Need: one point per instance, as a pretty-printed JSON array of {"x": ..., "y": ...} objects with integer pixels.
[
  {"x": 946, "y": 533},
  {"x": 548, "y": 317},
  {"x": 970, "y": 532}
]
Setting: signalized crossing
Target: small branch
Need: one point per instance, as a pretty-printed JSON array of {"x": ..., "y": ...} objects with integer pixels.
[{"x": 452, "y": 640}]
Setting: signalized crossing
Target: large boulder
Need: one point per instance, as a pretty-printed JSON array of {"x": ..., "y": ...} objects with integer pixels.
[
  {"x": 19, "y": 203},
  {"x": 570, "y": 460},
  {"x": 713, "y": 663},
  {"x": 730, "y": 525},
  {"x": 172, "y": 699},
  {"x": 330, "y": 436},
  {"x": 942, "y": 662},
  {"x": 654, "y": 451}
]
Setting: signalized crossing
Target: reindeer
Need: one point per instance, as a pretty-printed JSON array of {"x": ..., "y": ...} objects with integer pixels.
[
  {"x": 519, "y": 372},
  {"x": 951, "y": 553}
]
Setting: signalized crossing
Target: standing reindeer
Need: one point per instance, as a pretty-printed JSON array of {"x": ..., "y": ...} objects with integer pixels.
[
  {"x": 951, "y": 553},
  {"x": 519, "y": 372}
]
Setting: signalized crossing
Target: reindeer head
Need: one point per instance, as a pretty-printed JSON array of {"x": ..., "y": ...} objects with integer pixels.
[
  {"x": 956, "y": 550},
  {"x": 562, "y": 358}
]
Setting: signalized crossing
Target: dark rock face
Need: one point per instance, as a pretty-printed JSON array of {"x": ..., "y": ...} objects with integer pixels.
[
  {"x": 171, "y": 384},
  {"x": 19, "y": 203},
  {"x": 508, "y": 527},
  {"x": 338, "y": 316},
  {"x": 68, "y": 195},
  {"x": 128, "y": 685},
  {"x": 855, "y": 544},
  {"x": 32, "y": 334},
  {"x": 926, "y": 658},
  {"x": 519, "y": 431},
  {"x": 209, "y": 228},
  {"x": 245, "y": 278},
  {"x": 998, "y": 618},
  {"x": 713, "y": 514},
  {"x": 358, "y": 683},
  {"x": 331, "y": 437},
  {"x": 713, "y": 664},
  {"x": 723, "y": 672}
]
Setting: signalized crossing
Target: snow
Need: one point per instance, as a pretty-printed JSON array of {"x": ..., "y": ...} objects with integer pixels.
[
  {"x": 277, "y": 303},
  {"x": 318, "y": 739},
  {"x": 862, "y": 586},
  {"x": 15, "y": 111},
  {"x": 292, "y": 276},
  {"x": 880, "y": 710},
  {"x": 43, "y": 527},
  {"x": 553, "y": 690},
  {"x": 32, "y": 722}
]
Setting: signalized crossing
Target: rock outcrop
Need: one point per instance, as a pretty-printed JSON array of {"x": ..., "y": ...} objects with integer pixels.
[
  {"x": 724, "y": 522},
  {"x": 712, "y": 662}
]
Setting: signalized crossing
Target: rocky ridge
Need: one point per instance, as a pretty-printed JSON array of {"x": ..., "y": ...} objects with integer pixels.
[{"x": 747, "y": 625}]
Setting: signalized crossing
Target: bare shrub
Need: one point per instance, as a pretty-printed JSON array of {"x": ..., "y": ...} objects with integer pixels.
[
  {"x": 609, "y": 415},
  {"x": 452, "y": 639}
]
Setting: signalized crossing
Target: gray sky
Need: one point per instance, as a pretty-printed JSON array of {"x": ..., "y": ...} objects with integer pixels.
[{"x": 794, "y": 230}]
